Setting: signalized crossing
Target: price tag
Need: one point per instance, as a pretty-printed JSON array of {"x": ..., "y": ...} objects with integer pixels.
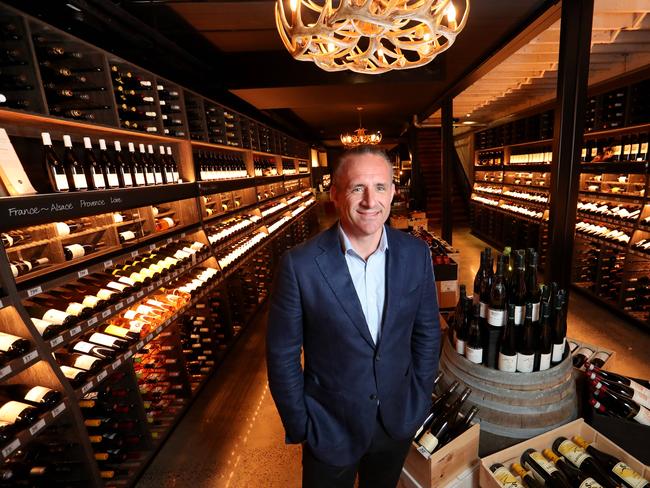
[
  {"x": 106, "y": 313},
  {"x": 149, "y": 288},
  {"x": 134, "y": 254},
  {"x": 128, "y": 354},
  {"x": 56, "y": 341},
  {"x": 182, "y": 235},
  {"x": 158, "y": 284},
  {"x": 15, "y": 444},
  {"x": 82, "y": 273},
  {"x": 140, "y": 294},
  {"x": 5, "y": 371},
  {"x": 34, "y": 291},
  {"x": 149, "y": 337},
  {"x": 159, "y": 329},
  {"x": 130, "y": 300},
  {"x": 30, "y": 356},
  {"x": 108, "y": 264},
  {"x": 87, "y": 387},
  {"x": 119, "y": 306},
  {"x": 117, "y": 364},
  {"x": 75, "y": 330},
  {"x": 37, "y": 426},
  {"x": 139, "y": 345},
  {"x": 60, "y": 408},
  {"x": 102, "y": 375},
  {"x": 169, "y": 240},
  {"x": 92, "y": 320}
]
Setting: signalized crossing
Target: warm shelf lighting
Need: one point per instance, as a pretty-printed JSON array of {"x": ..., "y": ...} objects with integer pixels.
[
  {"x": 368, "y": 36},
  {"x": 360, "y": 137}
]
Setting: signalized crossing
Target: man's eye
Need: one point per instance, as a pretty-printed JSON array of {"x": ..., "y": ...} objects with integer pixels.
[
  {"x": 381, "y": 188},
  {"x": 357, "y": 189}
]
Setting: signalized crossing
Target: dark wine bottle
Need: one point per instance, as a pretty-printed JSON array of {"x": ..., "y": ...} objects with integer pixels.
[
  {"x": 573, "y": 474},
  {"x": 496, "y": 314},
  {"x": 527, "y": 345},
  {"x": 96, "y": 180},
  {"x": 50, "y": 315},
  {"x": 113, "y": 171},
  {"x": 529, "y": 480},
  {"x": 581, "y": 356},
  {"x": 504, "y": 477},
  {"x": 462, "y": 331},
  {"x": 477, "y": 280},
  {"x": 13, "y": 346},
  {"x": 73, "y": 169},
  {"x": 617, "y": 378},
  {"x": 96, "y": 350},
  {"x": 41, "y": 397},
  {"x": 149, "y": 171},
  {"x": 54, "y": 168},
  {"x": 74, "y": 251},
  {"x": 81, "y": 361},
  {"x": 583, "y": 461},
  {"x": 559, "y": 325},
  {"x": 621, "y": 390},
  {"x": 123, "y": 167},
  {"x": 486, "y": 286},
  {"x": 508, "y": 344},
  {"x": 544, "y": 469},
  {"x": 75, "y": 376},
  {"x": 158, "y": 168},
  {"x": 545, "y": 349},
  {"x": 532, "y": 290},
  {"x": 17, "y": 413},
  {"x": 474, "y": 345},
  {"x": 620, "y": 470},
  {"x": 136, "y": 166},
  {"x": 518, "y": 294},
  {"x": 47, "y": 329},
  {"x": 621, "y": 406}
]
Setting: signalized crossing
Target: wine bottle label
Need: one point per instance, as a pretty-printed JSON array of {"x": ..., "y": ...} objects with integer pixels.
[
  {"x": 77, "y": 250},
  {"x": 98, "y": 179},
  {"x": 573, "y": 453},
  {"x": 474, "y": 355},
  {"x": 14, "y": 270},
  {"x": 169, "y": 221},
  {"x": 36, "y": 394},
  {"x": 126, "y": 280},
  {"x": 429, "y": 442},
  {"x": 85, "y": 362},
  {"x": 156, "y": 303},
  {"x": 525, "y": 362},
  {"x": 590, "y": 483},
  {"x": 127, "y": 235},
  {"x": 176, "y": 176},
  {"x": 105, "y": 294},
  {"x": 103, "y": 339},
  {"x": 62, "y": 228},
  {"x": 519, "y": 314},
  {"x": 583, "y": 153},
  {"x": 140, "y": 179},
  {"x": 70, "y": 372},
  {"x": 506, "y": 479},
  {"x": 151, "y": 180},
  {"x": 483, "y": 309},
  {"x": 644, "y": 149},
  {"x": 143, "y": 309},
  {"x": 55, "y": 316},
  {"x": 116, "y": 286},
  {"x": 629, "y": 476},
  {"x": 116, "y": 331},
  {"x": 113, "y": 180},
  {"x": 90, "y": 301},
  {"x": 74, "y": 309},
  {"x": 130, "y": 314},
  {"x": 545, "y": 361},
  {"x": 41, "y": 325},
  {"x": 542, "y": 462},
  {"x": 558, "y": 352},
  {"x": 11, "y": 410},
  {"x": 79, "y": 180},
  {"x": 84, "y": 347},
  {"x": 507, "y": 363},
  {"x": 170, "y": 177},
  {"x": 496, "y": 318},
  {"x": 536, "y": 306},
  {"x": 643, "y": 417},
  {"x": 61, "y": 182},
  {"x": 158, "y": 177}
]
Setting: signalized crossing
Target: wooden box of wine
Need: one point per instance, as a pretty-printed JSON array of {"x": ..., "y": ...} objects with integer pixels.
[
  {"x": 578, "y": 427},
  {"x": 450, "y": 466}
]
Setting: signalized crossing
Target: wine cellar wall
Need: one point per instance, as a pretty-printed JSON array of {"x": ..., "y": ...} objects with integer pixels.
[{"x": 141, "y": 224}]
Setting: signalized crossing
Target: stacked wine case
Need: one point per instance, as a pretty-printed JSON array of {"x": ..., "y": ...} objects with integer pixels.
[{"x": 189, "y": 262}]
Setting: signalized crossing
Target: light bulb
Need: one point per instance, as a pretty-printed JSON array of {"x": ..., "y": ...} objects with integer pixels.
[
  {"x": 450, "y": 12},
  {"x": 293, "y": 5}
]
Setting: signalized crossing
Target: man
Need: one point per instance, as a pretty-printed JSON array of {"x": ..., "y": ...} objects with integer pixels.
[{"x": 360, "y": 299}]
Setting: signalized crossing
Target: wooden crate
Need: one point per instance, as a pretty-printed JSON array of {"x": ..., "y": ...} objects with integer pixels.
[
  {"x": 543, "y": 441},
  {"x": 454, "y": 465}
]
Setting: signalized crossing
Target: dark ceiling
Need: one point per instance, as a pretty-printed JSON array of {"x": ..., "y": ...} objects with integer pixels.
[{"x": 224, "y": 48}]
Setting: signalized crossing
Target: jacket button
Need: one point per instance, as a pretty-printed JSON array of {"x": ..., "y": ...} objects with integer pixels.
[
  {"x": 373, "y": 397},
  {"x": 377, "y": 357}
]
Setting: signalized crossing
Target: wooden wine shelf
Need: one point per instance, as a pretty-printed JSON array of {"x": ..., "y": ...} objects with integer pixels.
[
  {"x": 619, "y": 223},
  {"x": 19, "y": 365},
  {"x": 640, "y": 167}
]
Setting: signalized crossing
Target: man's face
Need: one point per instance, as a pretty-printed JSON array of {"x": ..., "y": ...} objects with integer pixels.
[{"x": 363, "y": 195}]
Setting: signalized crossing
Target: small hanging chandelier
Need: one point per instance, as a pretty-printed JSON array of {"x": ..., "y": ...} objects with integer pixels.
[
  {"x": 368, "y": 36},
  {"x": 360, "y": 137}
]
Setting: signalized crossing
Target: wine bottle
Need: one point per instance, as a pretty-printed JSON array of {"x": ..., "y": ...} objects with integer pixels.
[
  {"x": 486, "y": 286},
  {"x": 62, "y": 303},
  {"x": 158, "y": 170},
  {"x": 621, "y": 390},
  {"x": 573, "y": 474},
  {"x": 621, "y": 406},
  {"x": 92, "y": 168},
  {"x": 529, "y": 480},
  {"x": 41, "y": 397},
  {"x": 122, "y": 289},
  {"x": 175, "y": 174},
  {"x": 544, "y": 470},
  {"x": 599, "y": 359},
  {"x": 24, "y": 266},
  {"x": 75, "y": 376},
  {"x": 75, "y": 251},
  {"x": 581, "y": 356},
  {"x": 113, "y": 171},
  {"x": 123, "y": 167},
  {"x": 82, "y": 361},
  {"x": 617, "y": 378},
  {"x": 474, "y": 345},
  {"x": 120, "y": 332},
  {"x": 54, "y": 168},
  {"x": 47, "y": 329},
  {"x": 149, "y": 171},
  {"x": 74, "y": 170},
  {"x": 532, "y": 290},
  {"x": 518, "y": 294},
  {"x": 508, "y": 344},
  {"x": 462, "y": 328},
  {"x": 526, "y": 349},
  {"x": 545, "y": 349},
  {"x": 461, "y": 425},
  {"x": 50, "y": 315},
  {"x": 496, "y": 314},
  {"x": 559, "y": 325},
  {"x": 583, "y": 461},
  {"x": 504, "y": 477},
  {"x": 104, "y": 294},
  {"x": 620, "y": 470},
  {"x": 108, "y": 341},
  {"x": 441, "y": 425},
  {"x": 84, "y": 347},
  {"x": 13, "y": 346},
  {"x": 19, "y": 414},
  {"x": 137, "y": 167},
  {"x": 478, "y": 278}
]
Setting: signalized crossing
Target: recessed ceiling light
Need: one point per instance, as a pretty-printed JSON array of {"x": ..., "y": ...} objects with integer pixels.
[
  {"x": 73, "y": 7},
  {"x": 469, "y": 122}
]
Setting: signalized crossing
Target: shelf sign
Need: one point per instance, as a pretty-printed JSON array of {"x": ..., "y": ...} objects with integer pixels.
[
  {"x": 106, "y": 313},
  {"x": 5, "y": 371},
  {"x": 60, "y": 408},
  {"x": 37, "y": 426},
  {"x": 87, "y": 387},
  {"x": 29, "y": 357},
  {"x": 92, "y": 321},
  {"x": 10, "y": 448},
  {"x": 34, "y": 291},
  {"x": 130, "y": 300},
  {"x": 128, "y": 354},
  {"x": 82, "y": 273},
  {"x": 108, "y": 264},
  {"x": 75, "y": 330},
  {"x": 139, "y": 345},
  {"x": 56, "y": 341},
  {"x": 140, "y": 294},
  {"x": 102, "y": 375},
  {"x": 117, "y": 364}
]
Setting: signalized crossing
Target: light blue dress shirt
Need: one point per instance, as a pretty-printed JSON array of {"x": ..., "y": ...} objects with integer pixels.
[{"x": 369, "y": 279}]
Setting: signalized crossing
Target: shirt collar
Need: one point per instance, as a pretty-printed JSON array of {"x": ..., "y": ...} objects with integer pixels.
[{"x": 347, "y": 244}]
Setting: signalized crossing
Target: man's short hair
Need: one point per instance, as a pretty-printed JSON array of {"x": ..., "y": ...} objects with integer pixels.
[{"x": 350, "y": 154}]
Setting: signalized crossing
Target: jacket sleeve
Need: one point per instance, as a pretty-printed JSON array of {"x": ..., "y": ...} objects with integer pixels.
[
  {"x": 283, "y": 349},
  {"x": 425, "y": 340}
]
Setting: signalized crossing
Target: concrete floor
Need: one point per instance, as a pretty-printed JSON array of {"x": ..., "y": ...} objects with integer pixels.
[{"x": 232, "y": 436}]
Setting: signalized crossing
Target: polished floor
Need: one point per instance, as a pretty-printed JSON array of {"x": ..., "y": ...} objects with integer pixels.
[{"x": 232, "y": 436}]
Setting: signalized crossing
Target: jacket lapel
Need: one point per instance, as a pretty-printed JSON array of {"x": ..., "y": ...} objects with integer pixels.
[
  {"x": 396, "y": 281},
  {"x": 335, "y": 271}
]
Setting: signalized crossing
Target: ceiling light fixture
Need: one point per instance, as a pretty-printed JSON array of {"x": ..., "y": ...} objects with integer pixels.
[
  {"x": 360, "y": 137},
  {"x": 368, "y": 36}
]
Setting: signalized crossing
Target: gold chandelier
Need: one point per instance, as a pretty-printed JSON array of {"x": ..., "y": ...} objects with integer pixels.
[
  {"x": 368, "y": 36},
  {"x": 360, "y": 137}
]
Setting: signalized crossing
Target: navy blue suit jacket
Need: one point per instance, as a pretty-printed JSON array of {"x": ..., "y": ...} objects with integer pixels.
[{"x": 332, "y": 404}]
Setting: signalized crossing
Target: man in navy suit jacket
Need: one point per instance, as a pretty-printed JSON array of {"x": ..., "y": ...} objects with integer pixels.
[{"x": 360, "y": 300}]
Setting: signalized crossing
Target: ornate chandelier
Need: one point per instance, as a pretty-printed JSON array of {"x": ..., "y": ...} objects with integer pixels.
[
  {"x": 368, "y": 36},
  {"x": 360, "y": 137}
]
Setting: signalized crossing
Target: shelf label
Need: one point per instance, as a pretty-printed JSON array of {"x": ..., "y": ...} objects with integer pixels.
[
  {"x": 87, "y": 387},
  {"x": 149, "y": 288},
  {"x": 152, "y": 247},
  {"x": 37, "y": 426},
  {"x": 106, "y": 313},
  {"x": 139, "y": 345},
  {"x": 158, "y": 284},
  {"x": 34, "y": 291},
  {"x": 140, "y": 294},
  {"x": 128, "y": 354},
  {"x": 182, "y": 235},
  {"x": 134, "y": 254},
  {"x": 30, "y": 356},
  {"x": 108, "y": 264},
  {"x": 5, "y": 371},
  {"x": 117, "y": 364},
  {"x": 149, "y": 337},
  {"x": 56, "y": 341},
  {"x": 60, "y": 408},
  {"x": 75, "y": 330},
  {"x": 92, "y": 320},
  {"x": 102, "y": 375},
  {"x": 119, "y": 306},
  {"x": 1, "y": 304},
  {"x": 82, "y": 273},
  {"x": 10, "y": 448},
  {"x": 130, "y": 300},
  {"x": 169, "y": 240},
  {"x": 159, "y": 329}
]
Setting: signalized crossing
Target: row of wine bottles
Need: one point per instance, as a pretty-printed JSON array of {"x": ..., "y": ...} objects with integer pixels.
[
  {"x": 437, "y": 246},
  {"x": 569, "y": 463},
  {"x": 22, "y": 405},
  {"x": 220, "y": 166},
  {"x": 513, "y": 323},
  {"x": 625, "y": 148},
  {"x": 106, "y": 171}
]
